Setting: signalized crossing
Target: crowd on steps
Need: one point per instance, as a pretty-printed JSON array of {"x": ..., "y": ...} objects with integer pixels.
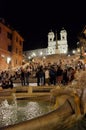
[{"x": 59, "y": 73}]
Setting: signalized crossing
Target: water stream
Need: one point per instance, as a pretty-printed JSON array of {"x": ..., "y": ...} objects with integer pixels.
[{"x": 21, "y": 110}]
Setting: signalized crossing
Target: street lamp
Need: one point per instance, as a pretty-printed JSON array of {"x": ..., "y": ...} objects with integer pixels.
[
  {"x": 41, "y": 53},
  {"x": 73, "y": 51}
]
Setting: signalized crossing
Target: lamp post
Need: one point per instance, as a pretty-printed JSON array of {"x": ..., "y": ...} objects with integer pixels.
[{"x": 73, "y": 51}]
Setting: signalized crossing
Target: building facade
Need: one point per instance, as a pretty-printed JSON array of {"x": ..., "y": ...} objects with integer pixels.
[
  {"x": 11, "y": 47},
  {"x": 81, "y": 44},
  {"x": 55, "y": 46}
]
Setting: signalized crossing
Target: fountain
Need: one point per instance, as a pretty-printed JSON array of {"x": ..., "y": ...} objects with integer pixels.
[
  {"x": 66, "y": 110},
  {"x": 50, "y": 120},
  {"x": 7, "y": 113},
  {"x": 21, "y": 110}
]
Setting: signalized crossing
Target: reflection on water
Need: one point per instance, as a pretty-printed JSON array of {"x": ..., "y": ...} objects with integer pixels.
[{"x": 21, "y": 110}]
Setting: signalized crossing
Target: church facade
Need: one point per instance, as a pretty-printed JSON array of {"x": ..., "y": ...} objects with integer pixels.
[{"x": 55, "y": 46}]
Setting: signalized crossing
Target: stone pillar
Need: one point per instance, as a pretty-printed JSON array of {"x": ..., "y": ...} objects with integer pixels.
[{"x": 29, "y": 89}]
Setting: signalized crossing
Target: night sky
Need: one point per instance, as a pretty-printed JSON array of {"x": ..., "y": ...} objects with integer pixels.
[{"x": 34, "y": 19}]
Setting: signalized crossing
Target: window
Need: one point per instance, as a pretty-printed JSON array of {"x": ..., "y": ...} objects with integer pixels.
[
  {"x": 9, "y": 48},
  {"x": 63, "y": 37},
  {"x": 20, "y": 43},
  {"x": 9, "y": 35},
  {"x": 50, "y": 39},
  {"x": 16, "y": 39}
]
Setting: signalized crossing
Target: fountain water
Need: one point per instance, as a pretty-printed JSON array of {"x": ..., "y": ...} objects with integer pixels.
[
  {"x": 21, "y": 110},
  {"x": 7, "y": 113}
]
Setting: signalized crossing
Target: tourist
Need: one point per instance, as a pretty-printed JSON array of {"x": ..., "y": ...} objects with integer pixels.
[
  {"x": 27, "y": 75},
  {"x": 47, "y": 77},
  {"x": 40, "y": 76},
  {"x": 52, "y": 74},
  {"x": 22, "y": 77},
  {"x": 59, "y": 75},
  {"x": 65, "y": 78}
]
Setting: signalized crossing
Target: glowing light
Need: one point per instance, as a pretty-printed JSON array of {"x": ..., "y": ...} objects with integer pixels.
[
  {"x": 78, "y": 50},
  {"x": 69, "y": 55},
  {"x": 41, "y": 53},
  {"x": 74, "y": 51},
  {"x": 8, "y": 60},
  {"x": 29, "y": 57},
  {"x": 44, "y": 57},
  {"x": 33, "y": 54},
  {"x": 2, "y": 56}
]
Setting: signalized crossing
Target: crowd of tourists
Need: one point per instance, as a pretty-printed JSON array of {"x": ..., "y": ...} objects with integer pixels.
[
  {"x": 6, "y": 80},
  {"x": 46, "y": 74},
  {"x": 57, "y": 74}
]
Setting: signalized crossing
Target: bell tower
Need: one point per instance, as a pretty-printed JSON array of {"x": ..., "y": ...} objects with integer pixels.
[
  {"x": 51, "y": 36},
  {"x": 63, "y": 34},
  {"x": 51, "y": 43}
]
